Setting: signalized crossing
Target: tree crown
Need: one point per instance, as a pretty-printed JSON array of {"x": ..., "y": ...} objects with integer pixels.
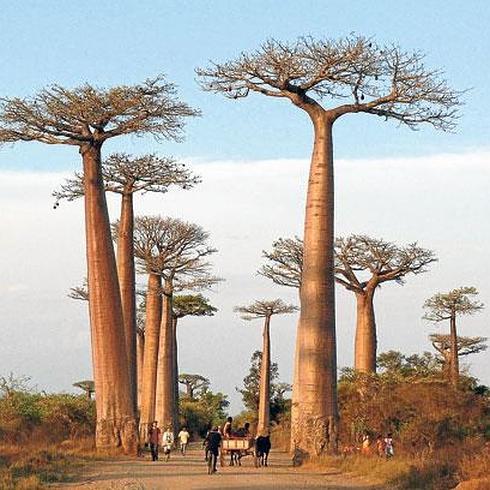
[
  {"x": 466, "y": 345},
  {"x": 265, "y": 309},
  {"x": 362, "y": 75},
  {"x": 125, "y": 174},
  {"x": 355, "y": 256},
  {"x": 89, "y": 114},
  {"x": 443, "y": 306},
  {"x": 192, "y": 305}
]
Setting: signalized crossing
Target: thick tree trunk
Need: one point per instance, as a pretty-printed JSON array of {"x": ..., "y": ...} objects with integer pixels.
[
  {"x": 116, "y": 423},
  {"x": 165, "y": 380},
  {"x": 365, "y": 344},
  {"x": 175, "y": 373},
  {"x": 315, "y": 426},
  {"x": 263, "y": 424},
  {"x": 454, "y": 364},
  {"x": 140, "y": 355},
  {"x": 126, "y": 274},
  {"x": 150, "y": 356}
]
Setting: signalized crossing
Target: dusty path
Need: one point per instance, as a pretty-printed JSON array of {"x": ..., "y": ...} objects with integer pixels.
[{"x": 189, "y": 472}]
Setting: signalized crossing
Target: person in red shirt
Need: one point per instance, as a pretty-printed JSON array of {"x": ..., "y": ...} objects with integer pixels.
[{"x": 154, "y": 436}]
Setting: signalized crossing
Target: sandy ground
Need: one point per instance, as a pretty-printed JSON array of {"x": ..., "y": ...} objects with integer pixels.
[{"x": 190, "y": 472}]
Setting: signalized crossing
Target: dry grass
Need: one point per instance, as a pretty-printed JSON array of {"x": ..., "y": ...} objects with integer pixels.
[{"x": 32, "y": 465}]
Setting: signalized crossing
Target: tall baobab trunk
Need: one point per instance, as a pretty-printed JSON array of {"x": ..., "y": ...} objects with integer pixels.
[
  {"x": 315, "y": 419},
  {"x": 116, "y": 423},
  {"x": 365, "y": 344},
  {"x": 126, "y": 274},
  {"x": 140, "y": 355},
  {"x": 175, "y": 373},
  {"x": 165, "y": 395},
  {"x": 454, "y": 363},
  {"x": 150, "y": 356},
  {"x": 265, "y": 382}
]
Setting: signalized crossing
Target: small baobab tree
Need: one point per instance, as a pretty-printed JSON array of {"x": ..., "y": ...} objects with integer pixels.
[
  {"x": 330, "y": 79},
  {"x": 466, "y": 346},
  {"x": 362, "y": 264},
  {"x": 448, "y": 306},
  {"x": 194, "y": 383},
  {"x": 126, "y": 175},
  {"x": 86, "y": 117},
  {"x": 87, "y": 386},
  {"x": 265, "y": 309}
]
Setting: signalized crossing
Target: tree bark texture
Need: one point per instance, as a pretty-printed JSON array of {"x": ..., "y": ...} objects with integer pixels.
[
  {"x": 315, "y": 426},
  {"x": 150, "y": 356},
  {"x": 140, "y": 355},
  {"x": 165, "y": 404},
  {"x": 126, "y": 274},
  {"x": 263, "y": 424},
  {"x": 116, "y": 423},
  {"x": 175, "y": 373},
  {"x": 454, "y": 364},
  {"x": 365, "y": 343}
]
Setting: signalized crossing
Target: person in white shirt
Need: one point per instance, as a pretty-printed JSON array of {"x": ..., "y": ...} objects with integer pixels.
[
  {"x": 184, "y": 440},
  {"x": 167, "y": 442}
]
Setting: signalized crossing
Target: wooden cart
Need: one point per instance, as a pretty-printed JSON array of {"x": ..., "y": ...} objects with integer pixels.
[{"x": 237, "y": 448}]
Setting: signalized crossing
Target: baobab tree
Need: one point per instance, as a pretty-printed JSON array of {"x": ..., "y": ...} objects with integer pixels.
[
  {"x": 87, "y": 386},
  {"x": 86, "y": 117},
  {"x": 362, "y": 264},
  {"x": 466, "y": 346},
  {"x": 448, "y": 306},
  {"x": 265, "y": 309},
  {"x": 173, "y": 253},
  {"x": 329, "y": 79},
  {"x": 193, "y": 383},
  {"x": 126, "y": 175}
]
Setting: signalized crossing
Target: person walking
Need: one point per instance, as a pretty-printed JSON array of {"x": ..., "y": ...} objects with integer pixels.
[
  {"x": 154, "y": 434},
  {"x": 184, "y": 437},
  {"x": 389, "y": 449},
  {"x": 213, "y": 444},
  {"x": 167, "y": 442}
]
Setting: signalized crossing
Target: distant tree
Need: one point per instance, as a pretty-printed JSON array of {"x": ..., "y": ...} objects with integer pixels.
[
  {"x": 362, "y": 264},
  {"x": 188, "y": 305},
  {"x": 265, "y": 309},
  {"x": 251, "y": 388},
  {"x": 448, "y": 306},
  {"x": 87, "y": 386},
  {"x": 394, "y": 364},
  {"x": 86, "y": 117},
  {"x": 126, "y": 175},
  {"x": 466, "y": 346},
  {"x": 79, "y": 292},
  {"x": 11, "y": 383},
  {"x": 194, "y": 384},
  {"x": 328, "y": 79}
]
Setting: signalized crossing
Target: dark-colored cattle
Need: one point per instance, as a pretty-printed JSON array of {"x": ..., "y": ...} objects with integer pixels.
[{"x": 262, "y": 449}]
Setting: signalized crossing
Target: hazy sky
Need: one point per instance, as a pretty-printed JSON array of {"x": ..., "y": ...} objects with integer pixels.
[{"x": 252, "y": 154}]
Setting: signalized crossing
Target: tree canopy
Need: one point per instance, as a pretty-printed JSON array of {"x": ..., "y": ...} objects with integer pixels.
[
  {"x": 442, "y": 306},
  {"x": 88, "y": 114},
  {"x": 363, "y": 76},
  {"x": 264, "y": 308}
]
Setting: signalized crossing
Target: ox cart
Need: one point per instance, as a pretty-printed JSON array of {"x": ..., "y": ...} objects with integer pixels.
[{"x": 238, "y": 447}]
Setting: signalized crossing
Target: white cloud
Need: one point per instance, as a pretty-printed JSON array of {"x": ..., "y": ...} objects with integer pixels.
[{"x": 441, "y": 201}]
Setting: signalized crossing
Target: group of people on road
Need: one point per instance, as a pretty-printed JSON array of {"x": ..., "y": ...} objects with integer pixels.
[
  {"x": 166, "y": 441},
  {"x": 383, "y": 446}
]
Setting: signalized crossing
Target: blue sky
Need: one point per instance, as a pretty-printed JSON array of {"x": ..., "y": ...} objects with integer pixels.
[{"x": 108, "y": 43}]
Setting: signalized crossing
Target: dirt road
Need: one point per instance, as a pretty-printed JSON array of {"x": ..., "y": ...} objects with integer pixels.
[{"x": 189, "y": 472}]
